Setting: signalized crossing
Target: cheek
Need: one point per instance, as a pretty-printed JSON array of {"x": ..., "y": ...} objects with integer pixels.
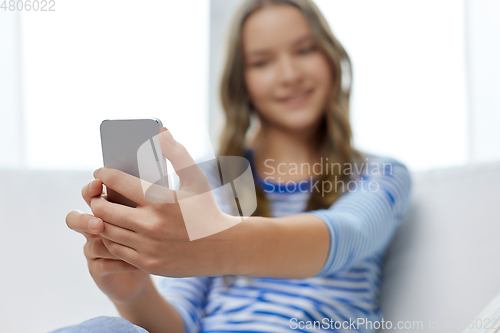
[
  {"x": 259, "y": 85},
  {"x": 319, "y": 69}
]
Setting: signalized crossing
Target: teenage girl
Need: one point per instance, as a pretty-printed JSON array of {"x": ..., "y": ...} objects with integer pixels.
[{"x": 310, "y": 257}]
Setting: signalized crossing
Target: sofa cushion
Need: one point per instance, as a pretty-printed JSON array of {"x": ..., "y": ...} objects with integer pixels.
[
  {"x": 45, "y": 283},
  {"x": 444, "y": 262}
]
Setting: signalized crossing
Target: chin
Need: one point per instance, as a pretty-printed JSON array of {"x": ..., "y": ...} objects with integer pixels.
[
  {"x": 299, "y": 120},
  {"x": 301, "y": 124},
  {"x": 302, "y": 120}
]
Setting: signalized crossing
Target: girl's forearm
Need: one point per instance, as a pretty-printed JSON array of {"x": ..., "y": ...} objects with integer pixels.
[
  {"x": 152, "y": 312},
  {"x": 289, "y": 247}
]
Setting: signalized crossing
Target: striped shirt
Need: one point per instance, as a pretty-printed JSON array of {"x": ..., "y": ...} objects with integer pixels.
[{"x": 361, "y": 224}]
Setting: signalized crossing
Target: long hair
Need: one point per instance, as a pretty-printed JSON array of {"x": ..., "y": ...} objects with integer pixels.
[{"x": 335, "y": 129}]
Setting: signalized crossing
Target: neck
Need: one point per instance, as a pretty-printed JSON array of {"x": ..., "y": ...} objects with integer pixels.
[{"x": 273, "y": 146}]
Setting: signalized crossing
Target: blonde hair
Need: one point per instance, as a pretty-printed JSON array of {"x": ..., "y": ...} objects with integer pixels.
[{"x": 335, "y": 129}]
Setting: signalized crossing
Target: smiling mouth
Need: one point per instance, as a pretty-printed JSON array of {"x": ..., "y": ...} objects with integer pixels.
[{"x": 297, "y": 99}]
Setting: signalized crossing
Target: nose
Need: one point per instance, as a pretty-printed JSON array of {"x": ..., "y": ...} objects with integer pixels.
[{"x": 289, "y": 73}]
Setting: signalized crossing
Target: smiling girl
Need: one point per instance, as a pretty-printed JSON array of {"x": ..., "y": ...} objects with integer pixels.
[{"x": 310, "y": 257}]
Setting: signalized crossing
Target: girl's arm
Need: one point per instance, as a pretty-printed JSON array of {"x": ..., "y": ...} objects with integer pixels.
[
  {"x": 156, "y": 236},
  {"x": 177, "y": 306},
  {"x": 319, "y": 243},
  {"x": 188, "y": 296},
  {"x": 152, "y": 312}
]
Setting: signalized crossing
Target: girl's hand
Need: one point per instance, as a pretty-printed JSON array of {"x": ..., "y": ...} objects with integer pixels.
[
  {"x": 119, "y": 280},
  {"x": 174, "y": 233}
]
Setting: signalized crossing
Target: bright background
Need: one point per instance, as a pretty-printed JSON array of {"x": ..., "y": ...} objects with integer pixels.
[
  {"x": 426, "y": 77},
  {"x": 94, "y": 60}
]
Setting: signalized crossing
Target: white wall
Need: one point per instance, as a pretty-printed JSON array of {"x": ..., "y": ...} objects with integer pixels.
[
  {"x": 93, "y": 60},
  {"x": 409, "y": 88},
  {"x": 483, "y": 50},
  {"x": 425, "y": 76},
  {"x": 443, "y": 108},
  {"x": 11, "y": 91}
]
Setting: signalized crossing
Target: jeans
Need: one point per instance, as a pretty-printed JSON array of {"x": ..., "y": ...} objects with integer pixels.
[{"x": 103, "y": 324}]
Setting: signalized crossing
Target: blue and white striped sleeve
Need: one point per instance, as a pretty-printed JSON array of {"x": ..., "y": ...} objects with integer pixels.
[
  {"x": 363, "y": 220},
  {"x": 188, "y": 297}
]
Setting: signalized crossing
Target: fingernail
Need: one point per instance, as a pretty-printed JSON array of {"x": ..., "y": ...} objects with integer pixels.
[
  {"x": 94, "y": 223},
  {"x": 95, "y": 172}
]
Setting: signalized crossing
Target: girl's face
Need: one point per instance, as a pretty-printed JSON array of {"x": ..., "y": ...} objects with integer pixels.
[{"x": 286, "y": 74}]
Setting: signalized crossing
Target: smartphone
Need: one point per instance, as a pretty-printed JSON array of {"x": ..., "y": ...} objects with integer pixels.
[{"x": 132, "y": 146}]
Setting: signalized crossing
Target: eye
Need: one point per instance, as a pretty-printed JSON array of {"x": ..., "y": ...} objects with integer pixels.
[
  {"x": 307, "y": 50},
  {"x": 261, "y": 63}
]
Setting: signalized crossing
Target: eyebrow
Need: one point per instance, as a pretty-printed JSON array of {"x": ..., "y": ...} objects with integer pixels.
[{"x": 293, "y": 43}]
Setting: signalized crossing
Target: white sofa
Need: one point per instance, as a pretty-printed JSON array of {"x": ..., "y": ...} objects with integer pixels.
[{"x": 443, "y": 263}]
